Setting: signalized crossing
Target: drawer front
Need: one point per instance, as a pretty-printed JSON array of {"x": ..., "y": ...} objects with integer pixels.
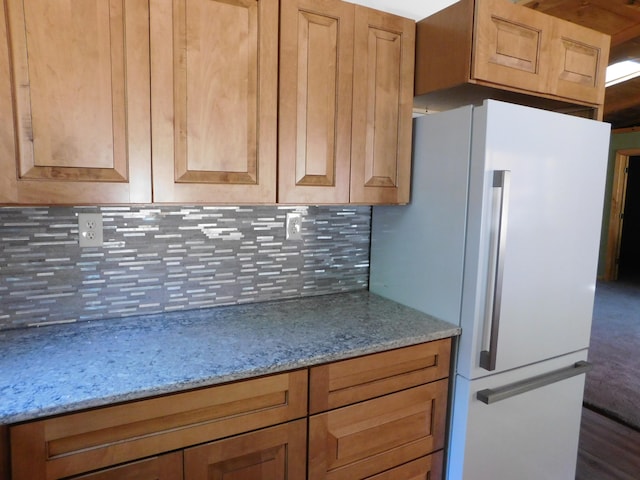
[
  {"x": 275, "y": 453},
  {"x": 71, "y": 444},
  {"x": 373, "y": 436},
  {"x": 349, "y": 381},
  {"x": 429, "y": 467},
  {"x": 163, "y": 467}
]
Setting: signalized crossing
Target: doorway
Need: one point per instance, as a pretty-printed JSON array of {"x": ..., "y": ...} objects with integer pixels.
[
  {"x": 629, "y": 257},
  {"x": 623, "y": 254}
]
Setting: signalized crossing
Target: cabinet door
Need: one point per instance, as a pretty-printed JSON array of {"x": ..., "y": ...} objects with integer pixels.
[
  {"x": 164, "y": 467},
  {"x": 384, "y": 49},
  {"x": 276, "y": 453},
  {"x": 510, "y": 45},
  {"x": 75, "y": 123},
  {"x": 578, "y": 62},
  {"x": 316, "y": 61},
  {"x": 373, "y": 436},
  {"x": 214, "y": 67}
]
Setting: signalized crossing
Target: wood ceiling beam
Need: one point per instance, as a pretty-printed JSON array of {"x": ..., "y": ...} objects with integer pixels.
[{"x": 571, "y": 10}]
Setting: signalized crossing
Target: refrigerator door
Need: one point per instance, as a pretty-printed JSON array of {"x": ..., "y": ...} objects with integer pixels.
[
  {"x": 529, "y": 436},
  {"x": 533, "y": 231}
]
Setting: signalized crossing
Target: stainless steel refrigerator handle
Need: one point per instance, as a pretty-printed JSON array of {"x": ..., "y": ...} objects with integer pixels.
[
  {"x": 492, "y": 395},
  {"x": 502, "y": 180}
]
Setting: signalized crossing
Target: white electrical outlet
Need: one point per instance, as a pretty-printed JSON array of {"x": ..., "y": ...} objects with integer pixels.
[
  {"x": 293, "y": 226},
  {"x": 90, "y": 229}
]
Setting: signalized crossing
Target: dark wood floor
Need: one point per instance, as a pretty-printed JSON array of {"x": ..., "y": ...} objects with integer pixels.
[{"x": 608, "y": 450}]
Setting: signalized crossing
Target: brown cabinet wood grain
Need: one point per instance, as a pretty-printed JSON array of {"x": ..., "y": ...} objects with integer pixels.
[
  {"x": 214, "y": 80},
  {"x": 176, "y": 101},
  {"x": 74, "y": 92},
  {"x": 346, "y": 90},
  {"x": 162, "y": 467},
  {"x": 382, "y": 107},
  {"x": 380, "y": 412},
  {"x": 349, "y": 381},
  {"x": 493, "y": 49},
  {"x": 275, "y": 453},
  {"x": 429, "y": 468},
  {"x": 59, "y": 447},
  {"x": 316, "y": 81},
  {"x": 367, "y": 438}
]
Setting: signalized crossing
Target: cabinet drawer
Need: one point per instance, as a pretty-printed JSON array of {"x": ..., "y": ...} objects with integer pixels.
[
  {"x": 275, "y": 453},
  {"x": 163, "y": 467},
  {"x": 67, "y": 445},
  {"x": 373, "y": 436},
  {"x": 429, "y": 467},
  {"x": 342, "y": 383}
]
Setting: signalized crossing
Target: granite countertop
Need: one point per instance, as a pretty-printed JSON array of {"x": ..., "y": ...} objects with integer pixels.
[{"x": 57, "y": 369}]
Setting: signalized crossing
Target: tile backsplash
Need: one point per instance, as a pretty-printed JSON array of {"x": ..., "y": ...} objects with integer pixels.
[{"x": 163, "y": 258}]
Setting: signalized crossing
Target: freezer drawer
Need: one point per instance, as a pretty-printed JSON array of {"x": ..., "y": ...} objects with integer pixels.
[{"x": 532, "y": 435}]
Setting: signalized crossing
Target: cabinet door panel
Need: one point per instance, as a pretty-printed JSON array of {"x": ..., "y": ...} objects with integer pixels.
[
  {"x": 382, "y": 106},
  {"x": 370, "y": 437},
  {"x": 80, "y": 87},
  {"x": 579, "y": 62},
  {"x": 164, "y": 467},
  {"x": 214, "y": 87},
  {"x": 315, "y": 101},
  {"x": 509, "y": 43},
  {"x": 276, "y": 453},
  {"x": 429, "y": 468}
]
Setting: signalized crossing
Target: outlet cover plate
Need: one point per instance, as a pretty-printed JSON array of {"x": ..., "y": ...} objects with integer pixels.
[
  {"x": 293, "y": 226},
  {"x": 90, "y": 229}
]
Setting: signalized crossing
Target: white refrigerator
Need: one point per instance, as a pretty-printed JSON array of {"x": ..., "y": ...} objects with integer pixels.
[{"x": 501, "y": 237}]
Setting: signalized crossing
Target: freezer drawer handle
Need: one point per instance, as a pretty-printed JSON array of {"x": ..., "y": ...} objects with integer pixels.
[
  {"x": 492, "y": 395},
  {"x": 502, "y": 180}
]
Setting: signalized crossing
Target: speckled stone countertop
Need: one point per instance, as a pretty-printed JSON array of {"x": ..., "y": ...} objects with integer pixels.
[{"x": 57, "y": 369}]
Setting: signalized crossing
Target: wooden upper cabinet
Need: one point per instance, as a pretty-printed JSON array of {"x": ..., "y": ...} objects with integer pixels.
[
  {"x": 204, "y": 101},
  {"x": 346, "y": 91},
  {"x": 214, "y": 74},
  {"x": 494, "y": 49},
  {"x": 316, "y": 64},
  {"x": 74, "y": 92},
  {"x": 508, "y": 45},
  {"x": 382, "y": 107},
  {"x": 579, "y": 62}
]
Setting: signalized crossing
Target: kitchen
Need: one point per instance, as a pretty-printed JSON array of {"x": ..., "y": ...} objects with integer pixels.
[{"x": 200, "y": 249}]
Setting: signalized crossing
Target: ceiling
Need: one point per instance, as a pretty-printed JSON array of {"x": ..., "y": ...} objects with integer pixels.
[{"x": 621, "y": 20}]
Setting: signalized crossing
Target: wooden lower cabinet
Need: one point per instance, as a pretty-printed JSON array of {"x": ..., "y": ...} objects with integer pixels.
[
  {"x": 380, "y": 416},
  {"x": 361, "y": 440},
  {"x": 64, "y": 446},
  {"x": 276, "y": 453},
  {"x": 429, "y": 468},
  {"x": 163, "y": 467}
]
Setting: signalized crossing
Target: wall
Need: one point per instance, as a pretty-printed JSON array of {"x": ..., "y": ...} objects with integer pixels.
[
  {"x": 619, "y": 141},
  {"x": 172, "y": 257}
]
